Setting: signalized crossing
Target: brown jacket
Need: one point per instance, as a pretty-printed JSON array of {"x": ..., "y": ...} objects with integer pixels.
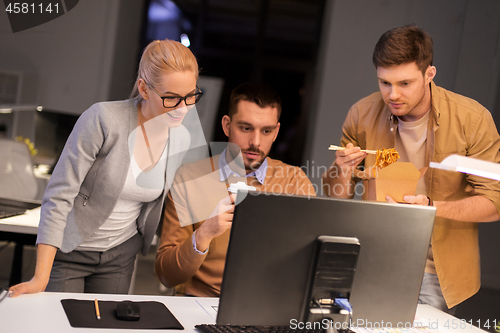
[
  {"x": 458, "y": 125},
  {"x": 193, "y": 196}
]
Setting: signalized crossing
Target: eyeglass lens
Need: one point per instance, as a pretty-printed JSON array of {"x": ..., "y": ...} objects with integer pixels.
[{"x": 170, "y": 102}]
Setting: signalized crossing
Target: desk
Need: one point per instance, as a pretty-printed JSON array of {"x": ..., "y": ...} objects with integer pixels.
[
  {"x": 21, "y": 229},
  {"x": 43, "y": 311},
  {"x": 30, "y": 313},
  {"x": 26, "y": 224}
]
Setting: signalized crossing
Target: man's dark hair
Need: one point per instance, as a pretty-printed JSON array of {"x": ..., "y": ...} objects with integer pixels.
[
  {"x": 404, "y": 45},
  {"x": 258, "y": 93}
]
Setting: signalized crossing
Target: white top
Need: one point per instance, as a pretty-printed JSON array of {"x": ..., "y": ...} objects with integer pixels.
[{"x": 139, "y": 187}]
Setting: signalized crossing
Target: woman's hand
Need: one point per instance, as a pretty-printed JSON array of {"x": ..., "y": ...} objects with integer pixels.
[
  {"x": 35, "y": 285},
  {"x": 45, "y": 255}
]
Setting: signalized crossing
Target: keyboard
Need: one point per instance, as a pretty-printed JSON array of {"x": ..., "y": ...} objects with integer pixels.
[
  {"x": 8, "y": 212},
  {"x": 252, "y": 329}
]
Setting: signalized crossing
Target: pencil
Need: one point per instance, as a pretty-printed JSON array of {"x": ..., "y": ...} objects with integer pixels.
[{"x": 98, "y": 314}]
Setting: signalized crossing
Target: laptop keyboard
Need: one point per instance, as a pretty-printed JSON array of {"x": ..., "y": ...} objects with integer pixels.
[
  {"x": 8, "y": 212},
  {"x": 255, "y": 329}
]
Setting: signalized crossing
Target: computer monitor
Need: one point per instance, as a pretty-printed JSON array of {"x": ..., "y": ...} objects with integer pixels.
[{"x": 271, "y": 247}]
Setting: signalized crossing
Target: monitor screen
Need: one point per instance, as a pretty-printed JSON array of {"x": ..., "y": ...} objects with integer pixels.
[{"x": 272, "y": 244}]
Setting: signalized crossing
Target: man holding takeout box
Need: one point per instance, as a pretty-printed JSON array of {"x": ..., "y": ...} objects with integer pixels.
[{"x": 424, "y": 123}]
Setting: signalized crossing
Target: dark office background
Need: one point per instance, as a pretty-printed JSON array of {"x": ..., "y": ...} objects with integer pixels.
[
  {"x": 268, "y": 41},
  {"x": 315, "y": 53}
]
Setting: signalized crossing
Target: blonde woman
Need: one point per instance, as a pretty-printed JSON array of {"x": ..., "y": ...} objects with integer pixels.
[{"x": 104, "y": 199}]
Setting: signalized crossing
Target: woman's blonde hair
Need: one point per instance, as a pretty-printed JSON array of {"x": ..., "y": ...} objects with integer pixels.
[{"x": 160, "y": 57}]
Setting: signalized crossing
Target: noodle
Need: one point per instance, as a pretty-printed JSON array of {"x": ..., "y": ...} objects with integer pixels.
[{"x": 385, "y": 157}]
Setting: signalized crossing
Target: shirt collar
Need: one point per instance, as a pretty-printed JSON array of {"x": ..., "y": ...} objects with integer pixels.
[{"x": 225, "y": 170}]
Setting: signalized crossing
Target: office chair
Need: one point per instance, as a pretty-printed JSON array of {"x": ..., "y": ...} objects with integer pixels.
[{"x": 17, "y": 179}]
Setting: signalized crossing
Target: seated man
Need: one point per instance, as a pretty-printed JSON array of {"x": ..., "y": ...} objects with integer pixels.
[{"x": 199, "y": 209}]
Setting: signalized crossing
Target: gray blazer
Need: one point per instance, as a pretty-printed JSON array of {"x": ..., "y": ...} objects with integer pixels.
[{"x": 91, "y": 173}]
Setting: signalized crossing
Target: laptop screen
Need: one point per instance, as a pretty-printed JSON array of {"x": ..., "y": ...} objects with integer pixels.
[{"x": 271, "y": 248}]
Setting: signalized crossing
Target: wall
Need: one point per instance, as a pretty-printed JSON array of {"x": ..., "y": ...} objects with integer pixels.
[
  {"x": 85, "y": 56},
  {"x": 466, "y": 37}
]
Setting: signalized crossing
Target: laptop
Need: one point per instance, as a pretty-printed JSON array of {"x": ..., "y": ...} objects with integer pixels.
[
  {"x": 272, "y": 242},
  {"x": 13, "y": 207}
]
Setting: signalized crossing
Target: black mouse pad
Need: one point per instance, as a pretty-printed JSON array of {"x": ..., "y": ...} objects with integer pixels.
[{"x": 154, "y": 315}]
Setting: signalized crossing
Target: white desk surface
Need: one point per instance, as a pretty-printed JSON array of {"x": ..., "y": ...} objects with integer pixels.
[
  {"x": 443, "y": 322},
  {"x": 26, "y": 223},
  {"x": 44, "y": 312}
]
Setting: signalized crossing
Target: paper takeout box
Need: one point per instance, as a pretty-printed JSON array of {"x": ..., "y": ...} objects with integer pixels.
[{"x": 396, "y": 180}]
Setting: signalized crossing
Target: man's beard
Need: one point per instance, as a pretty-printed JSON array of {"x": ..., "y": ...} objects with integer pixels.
[
  {"x": 410, "y": 108},
  {"x": 254, "y": 164}
]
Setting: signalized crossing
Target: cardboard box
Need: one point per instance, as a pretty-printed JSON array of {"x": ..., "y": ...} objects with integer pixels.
[{"x": 396, "y": 180}]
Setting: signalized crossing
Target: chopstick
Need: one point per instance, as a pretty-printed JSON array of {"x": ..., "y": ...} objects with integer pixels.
[{"x": 368, "y": 151}]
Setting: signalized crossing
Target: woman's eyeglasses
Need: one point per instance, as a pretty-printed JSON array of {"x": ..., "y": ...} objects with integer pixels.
[{"x": 173, "y": 101}]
